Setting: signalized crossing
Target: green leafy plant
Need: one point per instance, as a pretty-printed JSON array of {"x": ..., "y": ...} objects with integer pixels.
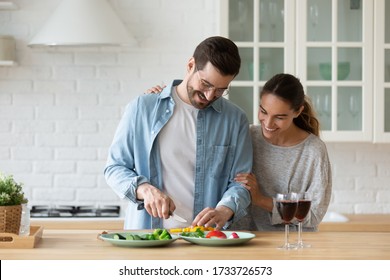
[{"x": 11, "y": 192}]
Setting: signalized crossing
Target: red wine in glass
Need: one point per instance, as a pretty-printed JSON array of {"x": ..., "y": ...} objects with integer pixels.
[
  {"x": 304, "y": 204},
  {"x": 287, "y": 209},
  {"x": 303, "y": 209},
  {"x": 287, "y": 205}
]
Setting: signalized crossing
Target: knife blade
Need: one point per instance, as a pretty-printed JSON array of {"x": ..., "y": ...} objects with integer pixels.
[
  {"x": 178, "y": 218},
  {"x": 173, "y": 215}
]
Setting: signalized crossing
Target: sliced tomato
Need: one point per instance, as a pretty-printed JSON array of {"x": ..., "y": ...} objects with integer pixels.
[
  {"x": 233, "y": 236},
  {"x": 216, "y": 234}
]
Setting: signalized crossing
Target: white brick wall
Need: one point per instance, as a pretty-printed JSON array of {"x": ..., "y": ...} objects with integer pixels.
[
  {"x": 361, "y": 177},
  {"x": 59, "y": 108}
]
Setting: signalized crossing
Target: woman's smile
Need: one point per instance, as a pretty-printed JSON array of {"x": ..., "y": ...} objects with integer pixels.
[{"x": 268, "y": 129}]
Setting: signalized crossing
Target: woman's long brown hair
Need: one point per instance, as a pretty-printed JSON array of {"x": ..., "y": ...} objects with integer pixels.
[{"x": 290, "y": 89}]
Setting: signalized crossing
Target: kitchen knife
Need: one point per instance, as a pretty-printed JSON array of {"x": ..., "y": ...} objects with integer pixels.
[
  {"x": 178, "y": 218},
  {"x": 173, "y": 215}
]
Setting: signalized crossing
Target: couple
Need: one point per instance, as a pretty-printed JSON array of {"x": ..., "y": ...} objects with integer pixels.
[{"x": 189, "y": 151}]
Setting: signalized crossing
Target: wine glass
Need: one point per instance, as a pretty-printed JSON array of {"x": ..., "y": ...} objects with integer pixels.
[
  {"x": 317, "y": 104},
  {"x": 327, "y": 105},
  {"x": 243, "y": 16},
  {"x": 287, "y": 205},
  {"x": 314, "y": 15},
  {"x": 353, "y": 105},
  {"x": 273, "y": 12},
  {"x": 304, "y": 203},
  {"x": 313, "y": 11}
]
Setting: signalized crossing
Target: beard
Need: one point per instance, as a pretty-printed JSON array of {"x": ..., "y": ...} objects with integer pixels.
[{"x": 198, "y": 99}]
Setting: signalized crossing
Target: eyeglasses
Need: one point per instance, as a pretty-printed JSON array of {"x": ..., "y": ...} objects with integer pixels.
[{"x": 207, "y": 87}]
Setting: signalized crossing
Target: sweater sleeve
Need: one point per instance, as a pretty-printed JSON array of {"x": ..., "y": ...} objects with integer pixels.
[{"x": 320, "y": 189}]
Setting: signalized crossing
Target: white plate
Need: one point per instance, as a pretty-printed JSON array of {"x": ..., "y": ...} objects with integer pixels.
[
  {"x": 244, "y": 237},
  {"x": 136, "y": 243}
]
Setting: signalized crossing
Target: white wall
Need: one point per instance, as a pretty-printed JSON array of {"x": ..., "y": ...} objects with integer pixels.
[
  {"x": 59, "y": 108},
  {"x": 361, "y": 177}
]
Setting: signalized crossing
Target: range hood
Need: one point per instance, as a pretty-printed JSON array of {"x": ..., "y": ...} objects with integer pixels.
[{"x": 83, "y": 23}]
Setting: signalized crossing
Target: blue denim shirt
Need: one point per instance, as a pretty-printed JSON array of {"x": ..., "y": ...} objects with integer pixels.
[{"x": 223, "y": 149}]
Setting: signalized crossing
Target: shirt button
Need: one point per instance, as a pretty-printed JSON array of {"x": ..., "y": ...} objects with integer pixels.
[{"x": 167, "y": 111}]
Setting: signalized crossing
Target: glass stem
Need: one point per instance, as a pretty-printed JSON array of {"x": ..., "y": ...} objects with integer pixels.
[
  {"x": 299, "y": 233},
  {"x": 286, "y": 235}
]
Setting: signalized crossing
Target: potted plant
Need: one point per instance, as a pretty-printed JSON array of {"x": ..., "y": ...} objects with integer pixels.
[{"x": 11, "y": 200}]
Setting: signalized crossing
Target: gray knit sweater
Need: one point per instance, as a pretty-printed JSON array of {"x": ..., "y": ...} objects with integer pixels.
[{"x": 299, "y": 168}]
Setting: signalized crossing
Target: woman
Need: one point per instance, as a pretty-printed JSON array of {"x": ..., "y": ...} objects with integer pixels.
[{"x": 288, "y": 156}]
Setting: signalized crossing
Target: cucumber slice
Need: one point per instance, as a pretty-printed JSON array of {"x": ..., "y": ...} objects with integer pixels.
[
  {"x": 119, "y": 236},
  {"x": 137, "y": 237},
  {"x": 130, "y": 237}
]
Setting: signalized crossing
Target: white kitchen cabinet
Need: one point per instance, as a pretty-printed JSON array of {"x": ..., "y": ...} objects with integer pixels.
[
  {"x": 258, "y": 29},
  {"x": 382, "y": 71},
  {"x": 335, "y": 63},
  {"x": 330, "y": 45}
]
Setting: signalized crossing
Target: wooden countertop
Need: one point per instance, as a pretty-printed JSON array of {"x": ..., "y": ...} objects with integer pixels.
[
  {"x": 365, "y": 222},
  {"x": 84, "y": 244}
]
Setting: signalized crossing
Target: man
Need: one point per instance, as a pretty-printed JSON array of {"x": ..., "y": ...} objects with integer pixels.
[{"x": 179, "y": 151}]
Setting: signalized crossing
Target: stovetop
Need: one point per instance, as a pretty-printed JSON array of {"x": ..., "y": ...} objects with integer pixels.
[{"x": 70, "y": 211}]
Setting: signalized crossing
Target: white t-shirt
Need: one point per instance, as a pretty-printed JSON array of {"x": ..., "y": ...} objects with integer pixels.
[{"x": 177, "y": 141}]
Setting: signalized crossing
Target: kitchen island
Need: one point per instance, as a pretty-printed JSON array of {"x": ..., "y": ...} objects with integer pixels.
[{"x": 84, "y": 244}]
